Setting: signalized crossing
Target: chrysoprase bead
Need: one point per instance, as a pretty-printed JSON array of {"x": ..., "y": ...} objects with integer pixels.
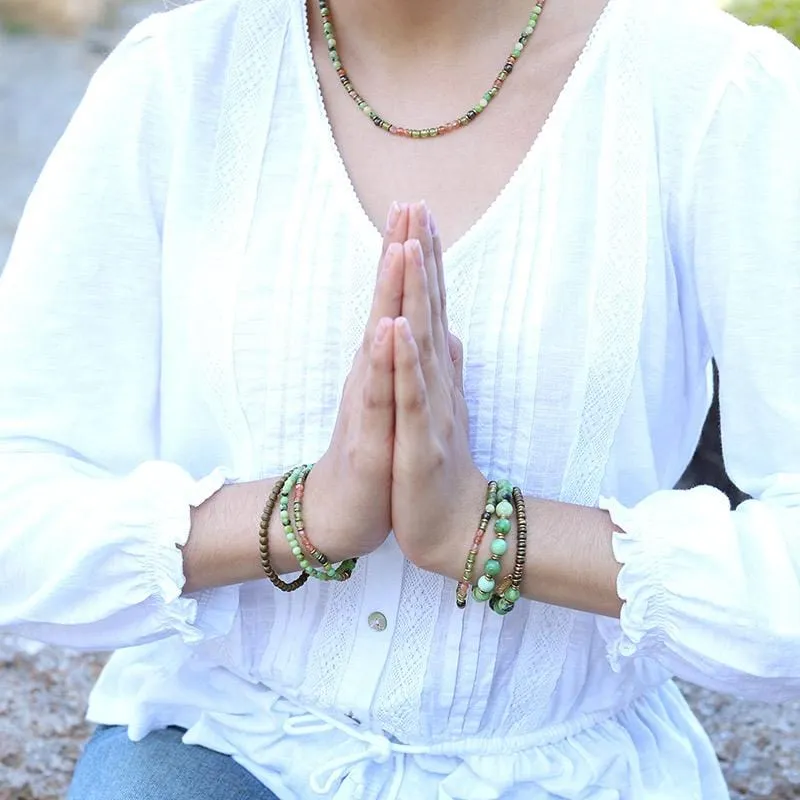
[
  {"x": 499, "y": 547},
  {"x": 489, "y": 508},
  {"x": 492, "y": 567},
  {"x": 504, "y": 509},
  {"x": 297, "y": 551},
  {"x": 511, "y": 594},
  {"x": 285, "y": 517},
  {"x": 485, "y": 584},
  {"x": 502, "y": 526},
  {"x": 480, "y": 595}
]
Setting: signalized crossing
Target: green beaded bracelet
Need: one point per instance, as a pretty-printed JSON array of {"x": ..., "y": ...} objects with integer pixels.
[
  {"x": 498, "y": 548},
  {"x": 295, "y": 533},
  {"x": 507, "y": 594}
]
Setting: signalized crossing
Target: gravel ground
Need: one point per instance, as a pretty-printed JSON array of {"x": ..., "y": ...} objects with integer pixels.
[{"x": 42, "y": 690}]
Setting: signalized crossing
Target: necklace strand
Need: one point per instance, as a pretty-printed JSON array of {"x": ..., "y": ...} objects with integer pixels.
[{"x": 425, "y": 133}]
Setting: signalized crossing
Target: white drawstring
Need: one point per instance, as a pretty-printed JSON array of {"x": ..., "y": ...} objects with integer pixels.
[{"x": 379, "y": 749}]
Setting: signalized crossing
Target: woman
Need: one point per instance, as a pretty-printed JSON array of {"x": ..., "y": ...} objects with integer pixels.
[{"x": 190, "y": 311}]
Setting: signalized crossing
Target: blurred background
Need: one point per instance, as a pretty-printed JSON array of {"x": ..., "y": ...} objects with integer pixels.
[{"x": 48, "y": 51}]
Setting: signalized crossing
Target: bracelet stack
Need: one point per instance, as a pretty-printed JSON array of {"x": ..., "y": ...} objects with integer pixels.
[
  {"x": 502, "y": 502},
  {"x": 292, "y": 485}
]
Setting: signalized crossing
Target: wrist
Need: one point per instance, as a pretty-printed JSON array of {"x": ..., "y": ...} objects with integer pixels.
[{"x": 446, "y": 553}]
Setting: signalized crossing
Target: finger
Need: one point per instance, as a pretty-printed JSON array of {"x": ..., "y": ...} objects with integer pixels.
[
  {"x": 396, "y": 230},
  {"x": 416, "y": 307},
  {"x": 411, "y": 397},
  {"x": 438, "y": 255},
  {"x": 378, "y": 399},
  {"x": 388, "y": 298},
  {"x": 457, "y": 356},
  {"x": 420, "y": 228}
]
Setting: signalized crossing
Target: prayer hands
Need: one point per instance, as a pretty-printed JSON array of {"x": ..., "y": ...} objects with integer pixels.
[
  {"x": 355, "y": 473},
  {"x": 432, "y": 468}
]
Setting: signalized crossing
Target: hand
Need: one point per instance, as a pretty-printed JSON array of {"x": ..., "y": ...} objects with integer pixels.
[
  {"x": 433, "y": 474},
  {"x": 354, "y": 476}
]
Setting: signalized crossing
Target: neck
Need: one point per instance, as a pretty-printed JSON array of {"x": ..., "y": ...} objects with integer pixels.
[{"x": 401, "y": 27}]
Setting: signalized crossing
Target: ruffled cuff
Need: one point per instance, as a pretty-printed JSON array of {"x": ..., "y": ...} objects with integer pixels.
[
  {"x": 202, "y": 615},
  {"x": 664, "y": 549}
]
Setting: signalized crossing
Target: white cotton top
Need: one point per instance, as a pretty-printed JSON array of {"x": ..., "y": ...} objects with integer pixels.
[{"x": 182, "y": 304}]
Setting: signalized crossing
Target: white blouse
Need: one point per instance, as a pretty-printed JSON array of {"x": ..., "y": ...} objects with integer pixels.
[{"x": 181, "y": 307}]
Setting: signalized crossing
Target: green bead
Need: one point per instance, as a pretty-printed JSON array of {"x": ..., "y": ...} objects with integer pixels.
[
  {"x": 511, "y": 594},
  {"x": 489, "y": 508},
  {"x": 492, "y": 567},
  {"x": 297, "y": 551},
  {"x": 517, "y": 51},
  {"x": 304, "y": 563},
  {"x": 504, "y": 489},
  {"x": 486, "y": 584},
  {"x": 499, "y": 547},
  {"x": 504, "y": 509},
  {"x": 285, "y": 517},
  {"x": 480, "y": 595},
  {"x": 502, "y": 526},
  {"x": 500, "y": 606}
]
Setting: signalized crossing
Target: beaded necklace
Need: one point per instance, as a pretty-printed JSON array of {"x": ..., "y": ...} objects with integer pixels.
[{"x": 425, "y": 133}]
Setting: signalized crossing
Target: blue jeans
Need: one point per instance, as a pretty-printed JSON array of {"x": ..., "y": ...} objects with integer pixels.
[{"x": 160, "y": 767}]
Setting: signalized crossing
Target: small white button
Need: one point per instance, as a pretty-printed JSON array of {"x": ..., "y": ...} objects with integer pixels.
[{"x": 377, "y": 621}]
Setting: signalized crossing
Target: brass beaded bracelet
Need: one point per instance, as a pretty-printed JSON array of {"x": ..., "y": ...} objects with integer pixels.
[{"x": 263, "y": 539}]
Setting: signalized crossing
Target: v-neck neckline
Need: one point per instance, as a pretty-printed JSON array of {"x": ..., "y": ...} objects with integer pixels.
[{"x": 580, "y": 72}]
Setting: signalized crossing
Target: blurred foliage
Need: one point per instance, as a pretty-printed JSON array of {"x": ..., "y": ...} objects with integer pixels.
[{"x": 783, "y": 15}]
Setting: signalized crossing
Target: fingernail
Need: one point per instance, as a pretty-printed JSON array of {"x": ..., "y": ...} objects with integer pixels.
[
  {"x": 381, "y": 331},
  {"x": 416, "y": 248},
  {"x": 391, "y": 254},
  {"x": 423, "y": 215},
  {"x": 394, "y": 216},
  {"x": 434, "y": 226},
  {"x": 405, "y": 329}
]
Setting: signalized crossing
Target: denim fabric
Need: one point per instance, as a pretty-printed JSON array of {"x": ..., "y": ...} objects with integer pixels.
[{"x": 160, "y": 767}]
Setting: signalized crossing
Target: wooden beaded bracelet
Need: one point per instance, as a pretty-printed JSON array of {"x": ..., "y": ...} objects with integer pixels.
[
  {"x": 263, "y": 538},
  {"x": 469, "y": 566}
]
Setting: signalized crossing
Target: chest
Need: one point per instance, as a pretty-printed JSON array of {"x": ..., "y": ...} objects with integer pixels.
[{"x": 460, "y": 174}]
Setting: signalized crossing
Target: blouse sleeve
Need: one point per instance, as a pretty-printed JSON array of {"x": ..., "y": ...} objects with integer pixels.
[
  {"x": 90, "y": 520},
  {"x": 714, "y": 594}
]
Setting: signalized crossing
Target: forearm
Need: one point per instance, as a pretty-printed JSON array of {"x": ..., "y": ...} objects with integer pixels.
[
  {"x": 569, "y": 563},
  {"x": 223, "y": 546}
]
